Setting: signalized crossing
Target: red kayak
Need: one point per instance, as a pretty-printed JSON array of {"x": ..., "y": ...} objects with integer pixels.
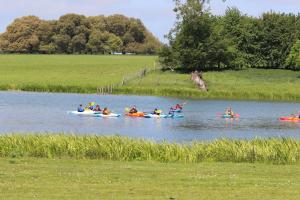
[{"x": 291, "y": 119}]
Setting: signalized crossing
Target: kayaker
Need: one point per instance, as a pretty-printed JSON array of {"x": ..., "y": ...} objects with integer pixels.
[
  {"x": 80, "y": 108},
  {"x": 157, "y": 112},
  {"x": 97, "y": 108},
  {"x": 91, "y": 106},
  {"x": 178, "y": 107},
  {"x": 105, "y": 111},
  {"x": 133, "y": 110},
  {"x": 229, "y": 111}
]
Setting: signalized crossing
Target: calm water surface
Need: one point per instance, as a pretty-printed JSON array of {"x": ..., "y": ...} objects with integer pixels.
[{"x": 45, "y": 112}]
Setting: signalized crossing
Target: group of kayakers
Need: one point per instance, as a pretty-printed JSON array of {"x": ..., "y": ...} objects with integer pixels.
[
  {"x": 96, "y": 108},
  {"x": 156, "y": 111},
  {"x": 133, "y": 111},
  {"x": 92, "y": 107}
]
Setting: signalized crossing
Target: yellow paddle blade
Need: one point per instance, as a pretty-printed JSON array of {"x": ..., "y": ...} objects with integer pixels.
[{"x": 127, "y": 109}]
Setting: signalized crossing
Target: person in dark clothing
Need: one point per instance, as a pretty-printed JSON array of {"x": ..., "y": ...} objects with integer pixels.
[{"x": 133, "y": 110}]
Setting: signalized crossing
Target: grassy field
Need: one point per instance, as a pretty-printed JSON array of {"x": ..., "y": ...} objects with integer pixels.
[
  {"x": 67, "y": 73},
  {"x": 276, "y": 151},
  {"x": 84, "y": 73},
  {"x": 66, "y": 179},
  {"x": 252, "y": 84}
]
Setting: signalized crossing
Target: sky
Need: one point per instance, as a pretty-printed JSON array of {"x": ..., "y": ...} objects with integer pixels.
[{"x": 157, "y": 15}]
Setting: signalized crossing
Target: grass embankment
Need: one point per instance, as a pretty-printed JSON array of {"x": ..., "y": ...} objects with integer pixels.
[
  {"x": 252, "y": 84},
  {"x": 279, "y": 151},
  {"x": 84, "y": 73},
  {"x": 29, "y": 178},
  {"x": 67, "y": 73}
]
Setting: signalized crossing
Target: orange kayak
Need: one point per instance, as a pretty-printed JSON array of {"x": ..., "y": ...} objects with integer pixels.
[
  {"x": 138, "y": 114},
  {"x": 292, "y": 119}
]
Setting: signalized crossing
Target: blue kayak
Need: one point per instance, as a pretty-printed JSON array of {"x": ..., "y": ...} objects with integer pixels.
[{"x": 163, "y": 116}]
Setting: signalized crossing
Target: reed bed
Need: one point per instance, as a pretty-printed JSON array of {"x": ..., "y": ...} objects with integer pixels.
[{"x": 274, "y": 150}]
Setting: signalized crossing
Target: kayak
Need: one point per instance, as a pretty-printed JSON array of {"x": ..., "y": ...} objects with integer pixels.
[
  {"x": 229, "y": 116},
  {"x": 291, "y": 119},
  {"x": 87, "y": 113},
  {"x": 108, "y": 116},
  {"x": 177, "y": 110},
  {"x": 162, "y": 116},
  {"x": 138, "y": 114},
  {"x": 93, "y": 113}
]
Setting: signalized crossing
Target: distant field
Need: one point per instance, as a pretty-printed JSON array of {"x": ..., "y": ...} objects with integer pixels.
[
  {"x": 67, "y": 73},
  {"x": 66, "y": 179},
  {"x": 84, "y": 73},
  {"x": 252, "y": 84}
]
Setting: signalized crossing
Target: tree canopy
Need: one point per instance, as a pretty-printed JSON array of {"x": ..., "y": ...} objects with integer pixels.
[
  {"x": 78, "y": 34},
  {"x": 203, "y": 41}
]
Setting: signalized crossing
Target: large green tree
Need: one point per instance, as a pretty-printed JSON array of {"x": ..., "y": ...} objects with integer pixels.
[
  {"x": 293, "y": 59},
  {"x": 78, "y": 34},
  {"x": 196, "y": 41},
  {"x": 22, "y": 36}
]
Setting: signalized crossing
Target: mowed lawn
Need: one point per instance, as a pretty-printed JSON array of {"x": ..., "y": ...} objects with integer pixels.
[
  {"x": 253, "y": 84},
  {"x": 47, "y": 72},
  {"x": 29, "y": 178}
]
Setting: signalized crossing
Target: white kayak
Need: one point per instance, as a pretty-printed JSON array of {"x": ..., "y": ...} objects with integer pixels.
[
  {"x": 84, "y": 113},
  {"x": 162, "y": 116},
  {"x": 110, "y": 115},
  {"x": 94, "y": 114}
]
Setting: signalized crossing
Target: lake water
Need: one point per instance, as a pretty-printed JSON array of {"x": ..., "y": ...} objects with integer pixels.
[{"x": 47, "y": 112}]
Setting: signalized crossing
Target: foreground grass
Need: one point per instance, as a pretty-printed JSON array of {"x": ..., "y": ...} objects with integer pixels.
[
  {"x": 252, "y": 84},
  {"x": 67, "y": 73},
  {"x": 279, "y": 151},
  {"x": 29, "y": 178}
]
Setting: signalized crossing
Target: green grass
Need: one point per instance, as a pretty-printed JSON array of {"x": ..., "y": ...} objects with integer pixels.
[
  {"x": 67, "y": 73},
  {"x": 67, "y": 179},
  {"x": 277, "y": 151},
  {"x": 84, "y": 73},
  {"x": 252, "y": 84}
]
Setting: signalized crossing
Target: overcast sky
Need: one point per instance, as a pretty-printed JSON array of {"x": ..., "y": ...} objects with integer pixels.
[{"x": 157, "y": 15}]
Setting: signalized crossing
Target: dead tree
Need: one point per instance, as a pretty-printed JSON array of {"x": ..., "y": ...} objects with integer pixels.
[{"x": 197, "y": 78}]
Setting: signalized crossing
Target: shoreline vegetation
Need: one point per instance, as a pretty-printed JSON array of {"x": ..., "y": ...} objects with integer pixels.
[{"x": 116, "y": 148}]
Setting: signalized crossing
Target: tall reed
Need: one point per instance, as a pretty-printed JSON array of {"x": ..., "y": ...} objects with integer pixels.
[{"x": 279, "y": 151}]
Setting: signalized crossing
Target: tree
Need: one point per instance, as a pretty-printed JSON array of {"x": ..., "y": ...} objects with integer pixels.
[
  {"x": 195, "y": 41},
  {"x": 22, "y": 36},
  {"x": 78, "y": 34},
  {"x": 104, "y": 43},
  {"x": 293, "y": 59}
]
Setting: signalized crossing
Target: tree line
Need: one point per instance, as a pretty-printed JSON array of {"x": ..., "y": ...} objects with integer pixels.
[
  {"x": 204, "y": 41},
  {"x": 78, "y": 34}
]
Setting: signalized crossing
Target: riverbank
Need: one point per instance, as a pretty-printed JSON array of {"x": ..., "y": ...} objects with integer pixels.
[
  {"x": 39, "y": 178},
  {"x": 84, "y": 73},
  {"x": 276, "y": 151},
  {"x": 250, "y": 84}
]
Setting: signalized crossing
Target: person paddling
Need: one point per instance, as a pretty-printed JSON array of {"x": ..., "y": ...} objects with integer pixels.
[
  {"x": 91, "y": 105},
  {"x": 80, "y": 108},
  {"x": 229, "y": 112},
  {"x": 105, "y": 111},
  {"x": 178, "y": 107},
  {"x": 133, "y": 110},
  {"x": 97, "y": 108},
  {"x": 157, "y": 112}
]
